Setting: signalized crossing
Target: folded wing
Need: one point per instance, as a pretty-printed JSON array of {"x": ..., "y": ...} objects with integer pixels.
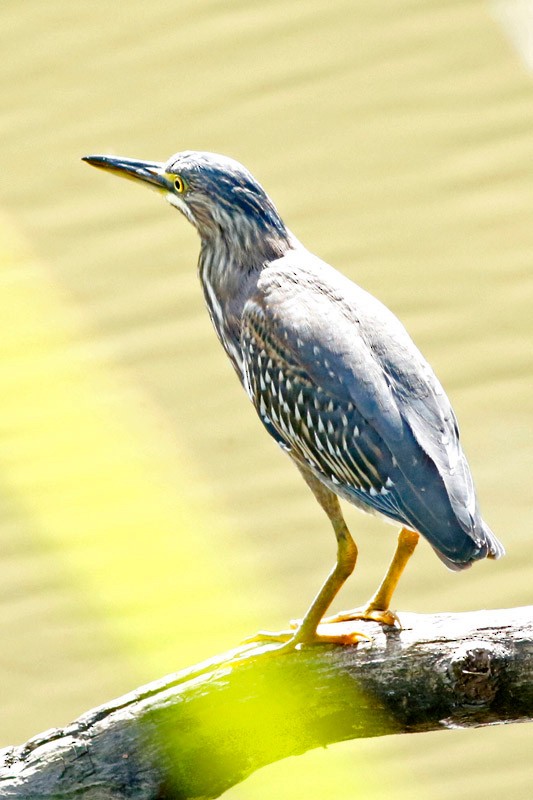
[{"x": 339, "y": 384}]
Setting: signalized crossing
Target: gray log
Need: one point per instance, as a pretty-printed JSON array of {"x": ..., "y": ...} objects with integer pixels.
[{"x": 198, "y": 732}]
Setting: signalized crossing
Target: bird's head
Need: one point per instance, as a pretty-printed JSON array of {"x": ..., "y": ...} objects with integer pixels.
[{"x": 217, "y": 194}]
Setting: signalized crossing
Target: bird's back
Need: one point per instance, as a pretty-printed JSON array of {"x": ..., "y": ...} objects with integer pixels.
[{"x": 342, "y": 387}]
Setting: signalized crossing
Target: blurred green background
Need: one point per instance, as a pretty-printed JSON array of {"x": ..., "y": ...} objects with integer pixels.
[{"x": 147, "y": 521}]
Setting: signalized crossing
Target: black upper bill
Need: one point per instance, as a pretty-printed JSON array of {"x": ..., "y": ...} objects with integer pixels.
[{"x": 151, "y": 172}]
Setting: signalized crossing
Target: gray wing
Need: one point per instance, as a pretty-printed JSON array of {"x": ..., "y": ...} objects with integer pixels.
[{"x": 339, "y": 383}]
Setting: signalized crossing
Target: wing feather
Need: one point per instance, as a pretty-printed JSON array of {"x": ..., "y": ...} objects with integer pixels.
[{"x": 339, "y": 384}]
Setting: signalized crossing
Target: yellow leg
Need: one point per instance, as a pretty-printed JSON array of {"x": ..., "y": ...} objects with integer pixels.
[
  {"x": 306, "y": 630},
  {"x": 377, "y": 608}
]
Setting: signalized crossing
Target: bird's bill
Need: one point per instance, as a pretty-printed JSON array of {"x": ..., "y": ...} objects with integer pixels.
[{"x": 151, "y": 172}]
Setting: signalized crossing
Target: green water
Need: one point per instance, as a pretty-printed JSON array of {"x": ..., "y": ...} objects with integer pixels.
[{"x": 146, "y": 520}]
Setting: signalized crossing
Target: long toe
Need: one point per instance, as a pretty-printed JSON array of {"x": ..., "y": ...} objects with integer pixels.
[
  {"x": 265, "y": 637},
  {"x": 380, "y": 615},
  {"x": 339, "y": 633},
  {"x": 327, "y": 633}
]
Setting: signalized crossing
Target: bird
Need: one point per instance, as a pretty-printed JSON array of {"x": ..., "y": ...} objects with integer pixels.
[{"x": 335, "y": 379}]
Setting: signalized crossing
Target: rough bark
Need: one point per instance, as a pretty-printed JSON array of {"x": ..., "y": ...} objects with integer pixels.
[{"x": 198, "y": 732}]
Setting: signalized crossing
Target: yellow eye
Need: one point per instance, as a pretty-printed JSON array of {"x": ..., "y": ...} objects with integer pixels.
[{"x": 179, "y": 184}]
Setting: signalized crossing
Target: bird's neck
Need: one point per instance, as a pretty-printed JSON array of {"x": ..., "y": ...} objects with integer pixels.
[{"x": 229, "y": 276}]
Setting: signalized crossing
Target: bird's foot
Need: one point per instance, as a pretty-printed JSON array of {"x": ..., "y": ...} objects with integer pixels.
[
  {"x": 294, "y": 638},
  {"x": 269, "y": 636},
  {"x": 384, "y": 616}
]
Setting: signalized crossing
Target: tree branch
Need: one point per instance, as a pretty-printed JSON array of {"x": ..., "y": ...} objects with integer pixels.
[{"x": 198, "y": 732}]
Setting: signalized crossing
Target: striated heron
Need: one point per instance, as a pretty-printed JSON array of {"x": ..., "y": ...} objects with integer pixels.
[{"x": 334, "y": 377}]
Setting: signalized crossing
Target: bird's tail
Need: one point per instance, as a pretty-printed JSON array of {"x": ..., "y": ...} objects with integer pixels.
[
  {"x": 485, "y": 546},
  {"x": 494, "y": 548}
]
